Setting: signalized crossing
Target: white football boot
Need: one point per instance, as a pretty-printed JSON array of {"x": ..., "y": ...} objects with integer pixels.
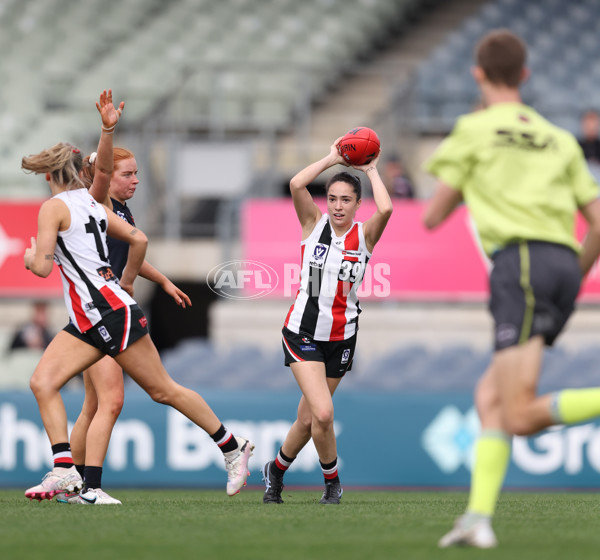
[
  {"x": 97, "y": 497},
  {"x": 236, "y": 464},
  {"x": 477, "y": 534},
  {"x": 56, "y": 481}
]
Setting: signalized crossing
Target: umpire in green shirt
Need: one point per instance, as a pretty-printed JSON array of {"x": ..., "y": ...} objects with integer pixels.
[{"x": 523, "y": 180}]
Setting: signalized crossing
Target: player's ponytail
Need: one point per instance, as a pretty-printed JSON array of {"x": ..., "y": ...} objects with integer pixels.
[{"x": 63, "y": 161}]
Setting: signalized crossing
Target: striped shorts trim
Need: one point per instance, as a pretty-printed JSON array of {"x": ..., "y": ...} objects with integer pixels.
[{"x": 116, "y": 331}]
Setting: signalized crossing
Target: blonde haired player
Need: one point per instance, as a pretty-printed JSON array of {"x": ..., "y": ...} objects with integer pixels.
[
  {"x": 103, "y": 381},
  {"x": 105, "y": 319}
]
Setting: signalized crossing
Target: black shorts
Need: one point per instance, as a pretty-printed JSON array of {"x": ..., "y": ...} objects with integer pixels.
[
  {"x": 533, "y": 289},
  {"x": 336, "y": 355},
  {"x": 116, "y": 331}
]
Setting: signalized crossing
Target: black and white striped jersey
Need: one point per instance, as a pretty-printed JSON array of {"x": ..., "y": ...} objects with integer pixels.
[
  {"x": 90, "y": 287},
  {"x": 326, "y": 306}
]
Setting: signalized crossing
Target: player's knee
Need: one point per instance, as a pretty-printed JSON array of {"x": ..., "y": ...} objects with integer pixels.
[
  {"x": 487, "y": 396},
  {"x": 160, "y": 395},
  {"x": 115, "y": 407},
  {"x": 41, "y": 384},
  {"x": 518, "y": 425},
  {"x": 484, "y": 398},
  {"x": 323, "y": 417},
  {"x": 305, "y": 421},
  {"x": 89, "y": 408},
  {"x": 35, "y": 385}
]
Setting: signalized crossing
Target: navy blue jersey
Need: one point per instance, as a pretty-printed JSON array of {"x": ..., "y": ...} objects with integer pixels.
[{"x": 117, "y": 249}]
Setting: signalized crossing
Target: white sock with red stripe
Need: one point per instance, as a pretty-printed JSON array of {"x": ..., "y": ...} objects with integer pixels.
[
  {"x": 225, "y": 440},
  {"x": 61, "y": 454}
]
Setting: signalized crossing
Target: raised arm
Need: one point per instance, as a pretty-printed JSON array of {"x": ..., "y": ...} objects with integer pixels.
[
  {"x": 138, "y": 242},
  {"x": 53, "y": 216},
  {"x": 374, "y": 226},
  {"x": 104, "y": 156},
  {"x": 306, "y": 209}
]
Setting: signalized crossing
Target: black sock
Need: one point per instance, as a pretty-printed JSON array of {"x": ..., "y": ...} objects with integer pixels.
[
  {"x": 225, "y": 439},
  {"x": 80, "y": 469},
  {"x": 92, "y": 477}
]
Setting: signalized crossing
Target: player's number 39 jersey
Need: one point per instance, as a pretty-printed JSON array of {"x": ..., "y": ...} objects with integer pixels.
[
  {"x": 90, "y": 288},
  {"x": 326, "y": 306}
]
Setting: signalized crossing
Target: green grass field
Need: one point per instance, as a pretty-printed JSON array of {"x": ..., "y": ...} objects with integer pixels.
[{"x": 203, "y": 524}]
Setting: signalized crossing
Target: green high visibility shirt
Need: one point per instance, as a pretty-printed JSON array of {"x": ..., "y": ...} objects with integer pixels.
[{"x": 521, "y": 177}]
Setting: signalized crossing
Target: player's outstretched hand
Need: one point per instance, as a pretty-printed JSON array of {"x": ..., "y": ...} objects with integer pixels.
[
  {"x": 110, "y": 115},
  {"x": 180, "y": 297}
]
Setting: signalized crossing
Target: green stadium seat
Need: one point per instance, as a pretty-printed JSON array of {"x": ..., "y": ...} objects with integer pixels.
[{"x": 156, "y": 50}]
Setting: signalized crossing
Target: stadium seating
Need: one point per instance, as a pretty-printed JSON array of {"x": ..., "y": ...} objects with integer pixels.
[
  {"x": 196, "y": 362},
  {"x": 216, "y": 66},
  {"x": 562, "y": 39},
  {"x": 17, "y": 367}
]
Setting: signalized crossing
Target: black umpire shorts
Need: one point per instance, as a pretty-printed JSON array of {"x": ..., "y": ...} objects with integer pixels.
[
  {"x": 533, "y": 288},
  {"x": 116, "y": 331},
  {"x": 336, "y": 355}
]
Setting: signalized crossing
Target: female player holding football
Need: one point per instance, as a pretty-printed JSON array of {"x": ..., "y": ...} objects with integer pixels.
[{"x": 319, "y": 335}]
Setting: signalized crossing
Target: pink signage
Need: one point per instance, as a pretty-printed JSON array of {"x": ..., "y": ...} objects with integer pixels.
[
  {"x": 409, "y": 262},
  {"x": 18, "y": 223}
]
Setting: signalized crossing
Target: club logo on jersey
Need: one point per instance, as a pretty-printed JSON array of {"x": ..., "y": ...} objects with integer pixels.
[
  {"x": 144, "y": 321},
  {"x": 319, "y": 255},
  {"x": 308, "y": 345},
  {"x": 104, "y": 333},
  {"x": 106, "y": 273},
  {"x": 89, "y": 306},
  {"x": 345, "y": 356}
]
